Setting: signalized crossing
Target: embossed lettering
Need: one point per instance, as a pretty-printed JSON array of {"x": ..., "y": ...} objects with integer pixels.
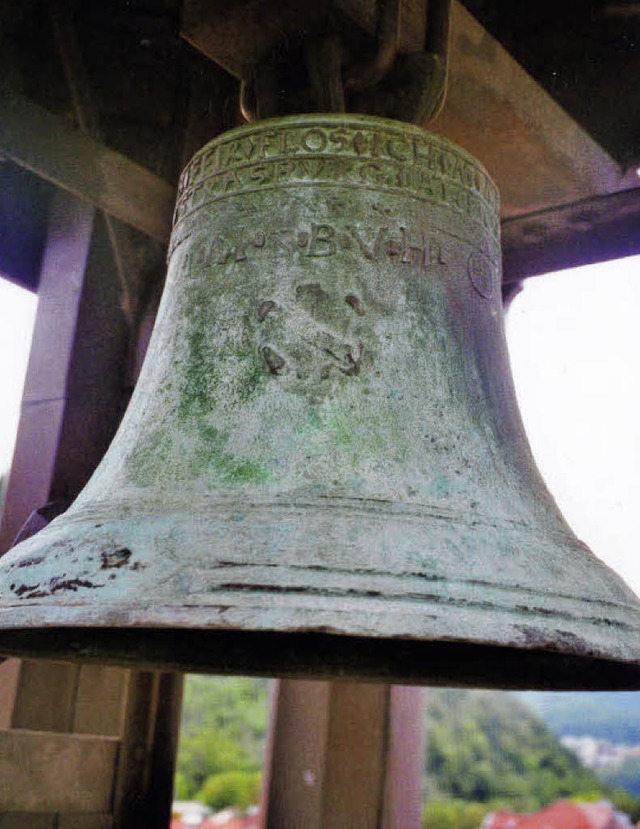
[
  {"x": 339, "y": 139},
  {"x": 334, "y": 142},
  {"x": 231, "y": 180},
  {"x": 261, "y": 173},
  {"x": 231, "y": 250},
  {"x": 402, "y": 244},
  {"x": 370, "y": 250},
  {"x": 408, "y": 248},
  {"x": 269, "y": 143},
  {"x": 399, "y": 149},
  {"x": 382, "y": 158},
  {"x": 284, "y": 168},
  {"x": 436, "y": 257},
  {"x": 314, "y": 140},
  {"x": 322, "y": 241}
]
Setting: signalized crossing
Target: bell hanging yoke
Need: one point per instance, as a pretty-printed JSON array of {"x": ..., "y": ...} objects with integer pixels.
[{"x": 323, "y": 471}]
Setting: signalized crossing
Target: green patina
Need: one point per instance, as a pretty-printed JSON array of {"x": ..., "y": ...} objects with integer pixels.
[
  {"x": 439, "y": 487},
  {"x": 159, "y": 459},
  {"x": 195, "y": 390},
  {"x": 252, "y": 378},
  {"x": 151, "y": 458},
  {"x": 342, "y": 429},
  {"x": 315, "y": 418},
  {"x": 224, "y": 373},
  {"x": 213, "y": 457},
  {"x": 465, "y": 548}
]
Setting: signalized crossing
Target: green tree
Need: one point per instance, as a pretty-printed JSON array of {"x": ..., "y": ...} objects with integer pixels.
[
  {"x": 210, "y": 753},
  {"x": 453, "y": 814},
  {"x": 485, "y": 745},
  {"x": 224, "y": 722},
  {"x": 233, "y": 788}
]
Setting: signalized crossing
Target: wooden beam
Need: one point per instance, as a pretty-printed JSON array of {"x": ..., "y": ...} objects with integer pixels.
[
  {"x": 130, "y": 800},
  {"x": 88, "y": 119},
  {"x": 24, "y": 207},
  {"x": 344, "y": 754},
  {"x": 45, "y": 391},
  {"x": 45, "y": 772},
  {"x": 9, "y": 683},
  {"x": 44, "y": 143},
  {"x": 536, "y": 153},
  {"x": 24, "y": 820},
  {"x": 237, "y": 35},
  {"x": 591, "y": 230}
]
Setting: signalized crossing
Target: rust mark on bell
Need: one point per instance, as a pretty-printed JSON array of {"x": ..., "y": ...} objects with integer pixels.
[
  {"x": 30, "y": 562},
  {"x": 356, "y": 303},
  {"x": 265, "y": 309},
  {"x": 54, "y": 585},
  {"x": 273, "y": 360},
  {"x": 70, "y": 584},
  {"x": 24, "y": 588},
  {"x": 114, "y": 558}
]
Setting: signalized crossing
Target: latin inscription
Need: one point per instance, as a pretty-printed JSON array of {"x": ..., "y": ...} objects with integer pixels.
[
  {"x": 379, "y": 144},
  {"x": 398, "y": 244},
  {"x": 381, "y": 158}
]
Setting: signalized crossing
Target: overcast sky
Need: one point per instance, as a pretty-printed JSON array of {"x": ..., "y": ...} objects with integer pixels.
[
  {"x": 17, "y": 312},
  {"x": 574, "y": 339}
]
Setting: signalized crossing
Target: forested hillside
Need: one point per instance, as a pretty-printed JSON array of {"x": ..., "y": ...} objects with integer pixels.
[
  {"x": 483, "y": 745},
  {"x": 484, "y": 749}
]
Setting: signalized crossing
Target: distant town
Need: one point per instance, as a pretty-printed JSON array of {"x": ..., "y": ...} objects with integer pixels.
[{"x": 599, "y": 754}]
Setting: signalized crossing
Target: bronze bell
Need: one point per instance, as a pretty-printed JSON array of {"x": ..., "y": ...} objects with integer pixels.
[{"x": 323, "y": 469}]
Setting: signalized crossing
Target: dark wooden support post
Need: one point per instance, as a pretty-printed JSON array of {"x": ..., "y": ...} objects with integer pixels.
[
  {"x": 76, "y": 389},
  {"x": 43, "y": 404},
  {"x": 344, "y": 754},
  {"x": 144, "y": 781}
]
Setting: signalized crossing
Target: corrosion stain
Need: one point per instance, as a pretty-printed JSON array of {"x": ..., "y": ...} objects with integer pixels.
[
  {"x": 56, "y": 584},
  {"x": 29, "y": 562},
  {"x": 114, "y": 558},
  {"x": 23, "y": 588},
  {"x": 265, "y": 309},
  {"x": 273, "y": 360},
  {"x": 356, "y": 303}
]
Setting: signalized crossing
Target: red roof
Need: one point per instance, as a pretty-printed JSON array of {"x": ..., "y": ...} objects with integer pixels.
[
  {"x": 249, "y": 822},
  {"x": 561, "y": 815}
]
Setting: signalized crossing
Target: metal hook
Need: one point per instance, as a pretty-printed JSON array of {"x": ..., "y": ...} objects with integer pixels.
[{"x": 369, "y": 73}]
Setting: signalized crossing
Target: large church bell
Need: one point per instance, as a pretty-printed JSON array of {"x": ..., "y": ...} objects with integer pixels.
[{"x": 323, "y": 471}]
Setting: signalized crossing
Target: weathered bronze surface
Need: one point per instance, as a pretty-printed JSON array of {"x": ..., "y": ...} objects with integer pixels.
[{"x": 323, "y": 469}]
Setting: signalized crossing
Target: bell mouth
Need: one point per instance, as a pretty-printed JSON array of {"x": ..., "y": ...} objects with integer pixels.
[
  {"x": 243, "y": 593},
  {"x": 325, "y": 656}
]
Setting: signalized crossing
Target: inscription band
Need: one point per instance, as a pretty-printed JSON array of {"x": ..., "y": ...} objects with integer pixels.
[{"x": 364, "y": 152}]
